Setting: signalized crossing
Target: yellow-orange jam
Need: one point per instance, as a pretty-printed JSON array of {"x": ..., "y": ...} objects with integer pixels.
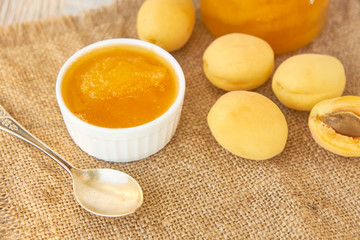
[
  {"x": 119, "y": 87},
  {"x": 286, "y": 25}
]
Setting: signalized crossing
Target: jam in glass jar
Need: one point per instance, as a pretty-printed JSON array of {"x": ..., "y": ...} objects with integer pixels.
[{"x": 286, "y": 25}]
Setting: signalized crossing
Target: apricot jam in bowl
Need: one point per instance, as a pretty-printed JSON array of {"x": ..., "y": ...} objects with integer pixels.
[{"x": 121, "y": 99}]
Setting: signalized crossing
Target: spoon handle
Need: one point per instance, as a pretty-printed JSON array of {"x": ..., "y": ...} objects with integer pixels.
[{"x": 9, "y": 124}]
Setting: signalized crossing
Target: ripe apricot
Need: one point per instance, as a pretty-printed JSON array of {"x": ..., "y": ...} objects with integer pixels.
[
  {"x": 248, "y": 125},
  {"x": 303, "y": 80},
  {"x": 335, "y": 125},
  {"x": 238, "y": 62},
  {"x": 168, "y": 24}
]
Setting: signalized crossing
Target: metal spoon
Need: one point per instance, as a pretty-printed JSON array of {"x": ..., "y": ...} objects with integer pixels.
[{"x": 105, "y": 192}]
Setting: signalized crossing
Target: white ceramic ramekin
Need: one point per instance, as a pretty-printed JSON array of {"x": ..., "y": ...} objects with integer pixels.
[{"x": 123, "y": 144}]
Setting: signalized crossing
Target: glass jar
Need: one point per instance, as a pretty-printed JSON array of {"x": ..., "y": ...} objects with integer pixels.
[{"x": 286, "y": 25}]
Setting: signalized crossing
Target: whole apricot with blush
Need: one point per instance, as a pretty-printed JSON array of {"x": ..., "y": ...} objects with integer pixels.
[
  {"x": 248, "y": 125},
  {"x": 335, "y": 125}
]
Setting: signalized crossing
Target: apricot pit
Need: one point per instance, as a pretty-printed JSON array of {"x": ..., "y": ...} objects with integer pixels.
[{"x": 343, "y": 122}]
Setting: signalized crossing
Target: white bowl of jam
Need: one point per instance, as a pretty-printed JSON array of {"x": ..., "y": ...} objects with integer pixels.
[{"x": 121, "y": 99}]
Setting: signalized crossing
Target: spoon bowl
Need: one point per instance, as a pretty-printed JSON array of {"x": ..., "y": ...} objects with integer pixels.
[
  {"x": 104, "y": 192},
  {"x": 109, "y": 192}
]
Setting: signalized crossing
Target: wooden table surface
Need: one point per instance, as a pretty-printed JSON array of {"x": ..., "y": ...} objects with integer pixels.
[{"x": 17, "y": 11}]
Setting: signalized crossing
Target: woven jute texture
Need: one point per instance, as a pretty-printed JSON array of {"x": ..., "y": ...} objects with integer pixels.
[{"x": 193, "y": 188}]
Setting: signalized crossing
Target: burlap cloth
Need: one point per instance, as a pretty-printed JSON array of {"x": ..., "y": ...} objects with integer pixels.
[{"x": 193, "y": 188}]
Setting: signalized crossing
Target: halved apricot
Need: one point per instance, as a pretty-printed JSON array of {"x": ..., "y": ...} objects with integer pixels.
[{"x": 335, "y": 125}]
